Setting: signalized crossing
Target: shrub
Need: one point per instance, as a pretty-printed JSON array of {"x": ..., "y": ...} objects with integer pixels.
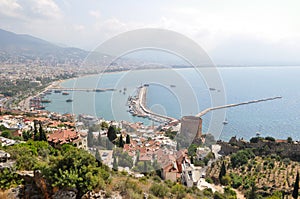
[
  {"x": 241, "y": 157},
  {"x": 158, "y": 190},
  {"x": 226, "y": 180},
  {"x": 270, "y": 139},
  {"x": 237, "y": 181},
  {"x": 8, "y": 179}
]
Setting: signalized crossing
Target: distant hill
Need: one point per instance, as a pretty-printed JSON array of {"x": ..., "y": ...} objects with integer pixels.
[{"x": 21, "y": 48}]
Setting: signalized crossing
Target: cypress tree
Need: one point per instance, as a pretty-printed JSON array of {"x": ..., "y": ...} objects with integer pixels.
[
  {"x": 35, "y": 131},
  {"x": 137, "y": 158},
  {"x": 98, "y": 158},
  {"x": 42, "y": 136},
  {"x": 115, "y": 164},
  {"x": 177, "y": 146},
  {"x": 296, "y": 187},
  {"x": 127, "y": 139},
  {"x": 252, "y": 194},
  {"x": 111, "y": 133},
  {"x": 121, "y": 141},
  {"x": 90, "y": 139},
  {"x": 222, "y": 171}
]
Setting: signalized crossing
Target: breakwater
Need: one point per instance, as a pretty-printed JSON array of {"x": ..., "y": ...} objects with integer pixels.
[
  {"x": 137, "y": 107},
  {"x": 237, "y": 104}
]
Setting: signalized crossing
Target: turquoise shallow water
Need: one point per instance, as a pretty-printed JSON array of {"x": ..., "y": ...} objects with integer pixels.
[{"x": 279, "y": 118}]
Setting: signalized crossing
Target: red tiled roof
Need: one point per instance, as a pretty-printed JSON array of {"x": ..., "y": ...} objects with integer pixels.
[{"x": 63, "y": 136}]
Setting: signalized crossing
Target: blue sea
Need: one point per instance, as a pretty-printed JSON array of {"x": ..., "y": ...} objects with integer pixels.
[{"x": 179, "y": 92}]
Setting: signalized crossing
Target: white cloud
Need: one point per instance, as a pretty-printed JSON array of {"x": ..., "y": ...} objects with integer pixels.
[
  {"x": 45, "y": 8},
  {"x": 10, "y": 8},
  {"x": 79, "y": 27},
  {"x": 95, "y": 13},
  {"x": 30, "y": 9}
]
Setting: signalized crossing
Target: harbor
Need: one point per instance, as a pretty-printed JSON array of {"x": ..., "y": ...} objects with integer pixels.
[{"x": 137, "y": 107}]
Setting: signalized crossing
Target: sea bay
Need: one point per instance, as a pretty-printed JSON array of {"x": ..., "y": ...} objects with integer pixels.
[{"x": 279, "y": 118}]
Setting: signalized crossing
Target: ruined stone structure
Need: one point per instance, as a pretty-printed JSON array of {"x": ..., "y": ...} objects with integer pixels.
[{"x": 191, "y": 126}]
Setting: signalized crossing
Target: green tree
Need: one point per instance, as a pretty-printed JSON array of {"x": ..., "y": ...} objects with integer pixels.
[
  {"x": 121, "y": 141},
  {"x": 104, "y": 125},
  {"x": 127, "y": 139},
  {"x": 98, "y": 158},
  {"x": 137, "y": 158},
  {"x": 76, "y": 169},
  {"x": 9, "y": 179},
  {"x": 218, "y": 195},
  {"x": 97, "y": 155},
  {"x": 296, "y": 187},
  {"x": 178, "y": 190},
  {"x": 241, "y": 157},
  {"x": 6, "y": 134},
  {"x": 115, "y": 164},
  {"x": 252, "y": 193},
  {"x": 289, "y": 140},
  {"x": 226, "y": 180},
  {"x": 35, "y": 131},
  {"x": 26, "y": 135},
  {"x": 42, "y": 134},
  {"x": 192, "y": 150},
  {"x": 111, "y": 133},
  {"x": 229, "y": 193},
  {"x": 222, "y": 172},
  {"x": 90, "y": 139},
  {"x": 270, "y": 139},
  {"x": 177, "y": 146}
]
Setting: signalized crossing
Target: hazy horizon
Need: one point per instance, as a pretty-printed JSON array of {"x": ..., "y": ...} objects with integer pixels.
[{"x": 231, "y": 32}]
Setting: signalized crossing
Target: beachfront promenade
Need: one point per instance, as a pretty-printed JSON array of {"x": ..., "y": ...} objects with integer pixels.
[
  {"x": 137, "y": 106},
  {"x": 82, "y": 89}
]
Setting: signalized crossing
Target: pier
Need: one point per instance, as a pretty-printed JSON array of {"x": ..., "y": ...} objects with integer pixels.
[
  {"x": 137, "y": 107},
  {"x": 237, "y": 104}
]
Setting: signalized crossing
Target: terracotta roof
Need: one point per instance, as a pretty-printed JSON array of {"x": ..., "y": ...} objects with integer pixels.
[{"x": 63, "y": 136}]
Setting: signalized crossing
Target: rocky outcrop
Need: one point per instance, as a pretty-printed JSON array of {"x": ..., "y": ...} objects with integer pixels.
[
  {"x": 262, "y": 147},
  {"x": 101, "y": 195},
  {"x": 65, "y": 194}
]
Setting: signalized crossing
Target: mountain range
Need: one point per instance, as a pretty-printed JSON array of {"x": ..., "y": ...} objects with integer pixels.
[{"x": 20, "y": 47}]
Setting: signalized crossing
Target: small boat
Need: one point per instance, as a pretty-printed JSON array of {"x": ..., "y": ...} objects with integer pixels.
[
  {"x": 225, "y": 122},
  {"x": 41, "y": 108},
  {"x": 69, "y": 100},
  {"x": 45, "y": 101},
  {"x": 65, "y": 93}
]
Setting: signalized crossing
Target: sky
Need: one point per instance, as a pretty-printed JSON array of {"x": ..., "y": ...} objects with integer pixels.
[{"x": 237, "y": 32}]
